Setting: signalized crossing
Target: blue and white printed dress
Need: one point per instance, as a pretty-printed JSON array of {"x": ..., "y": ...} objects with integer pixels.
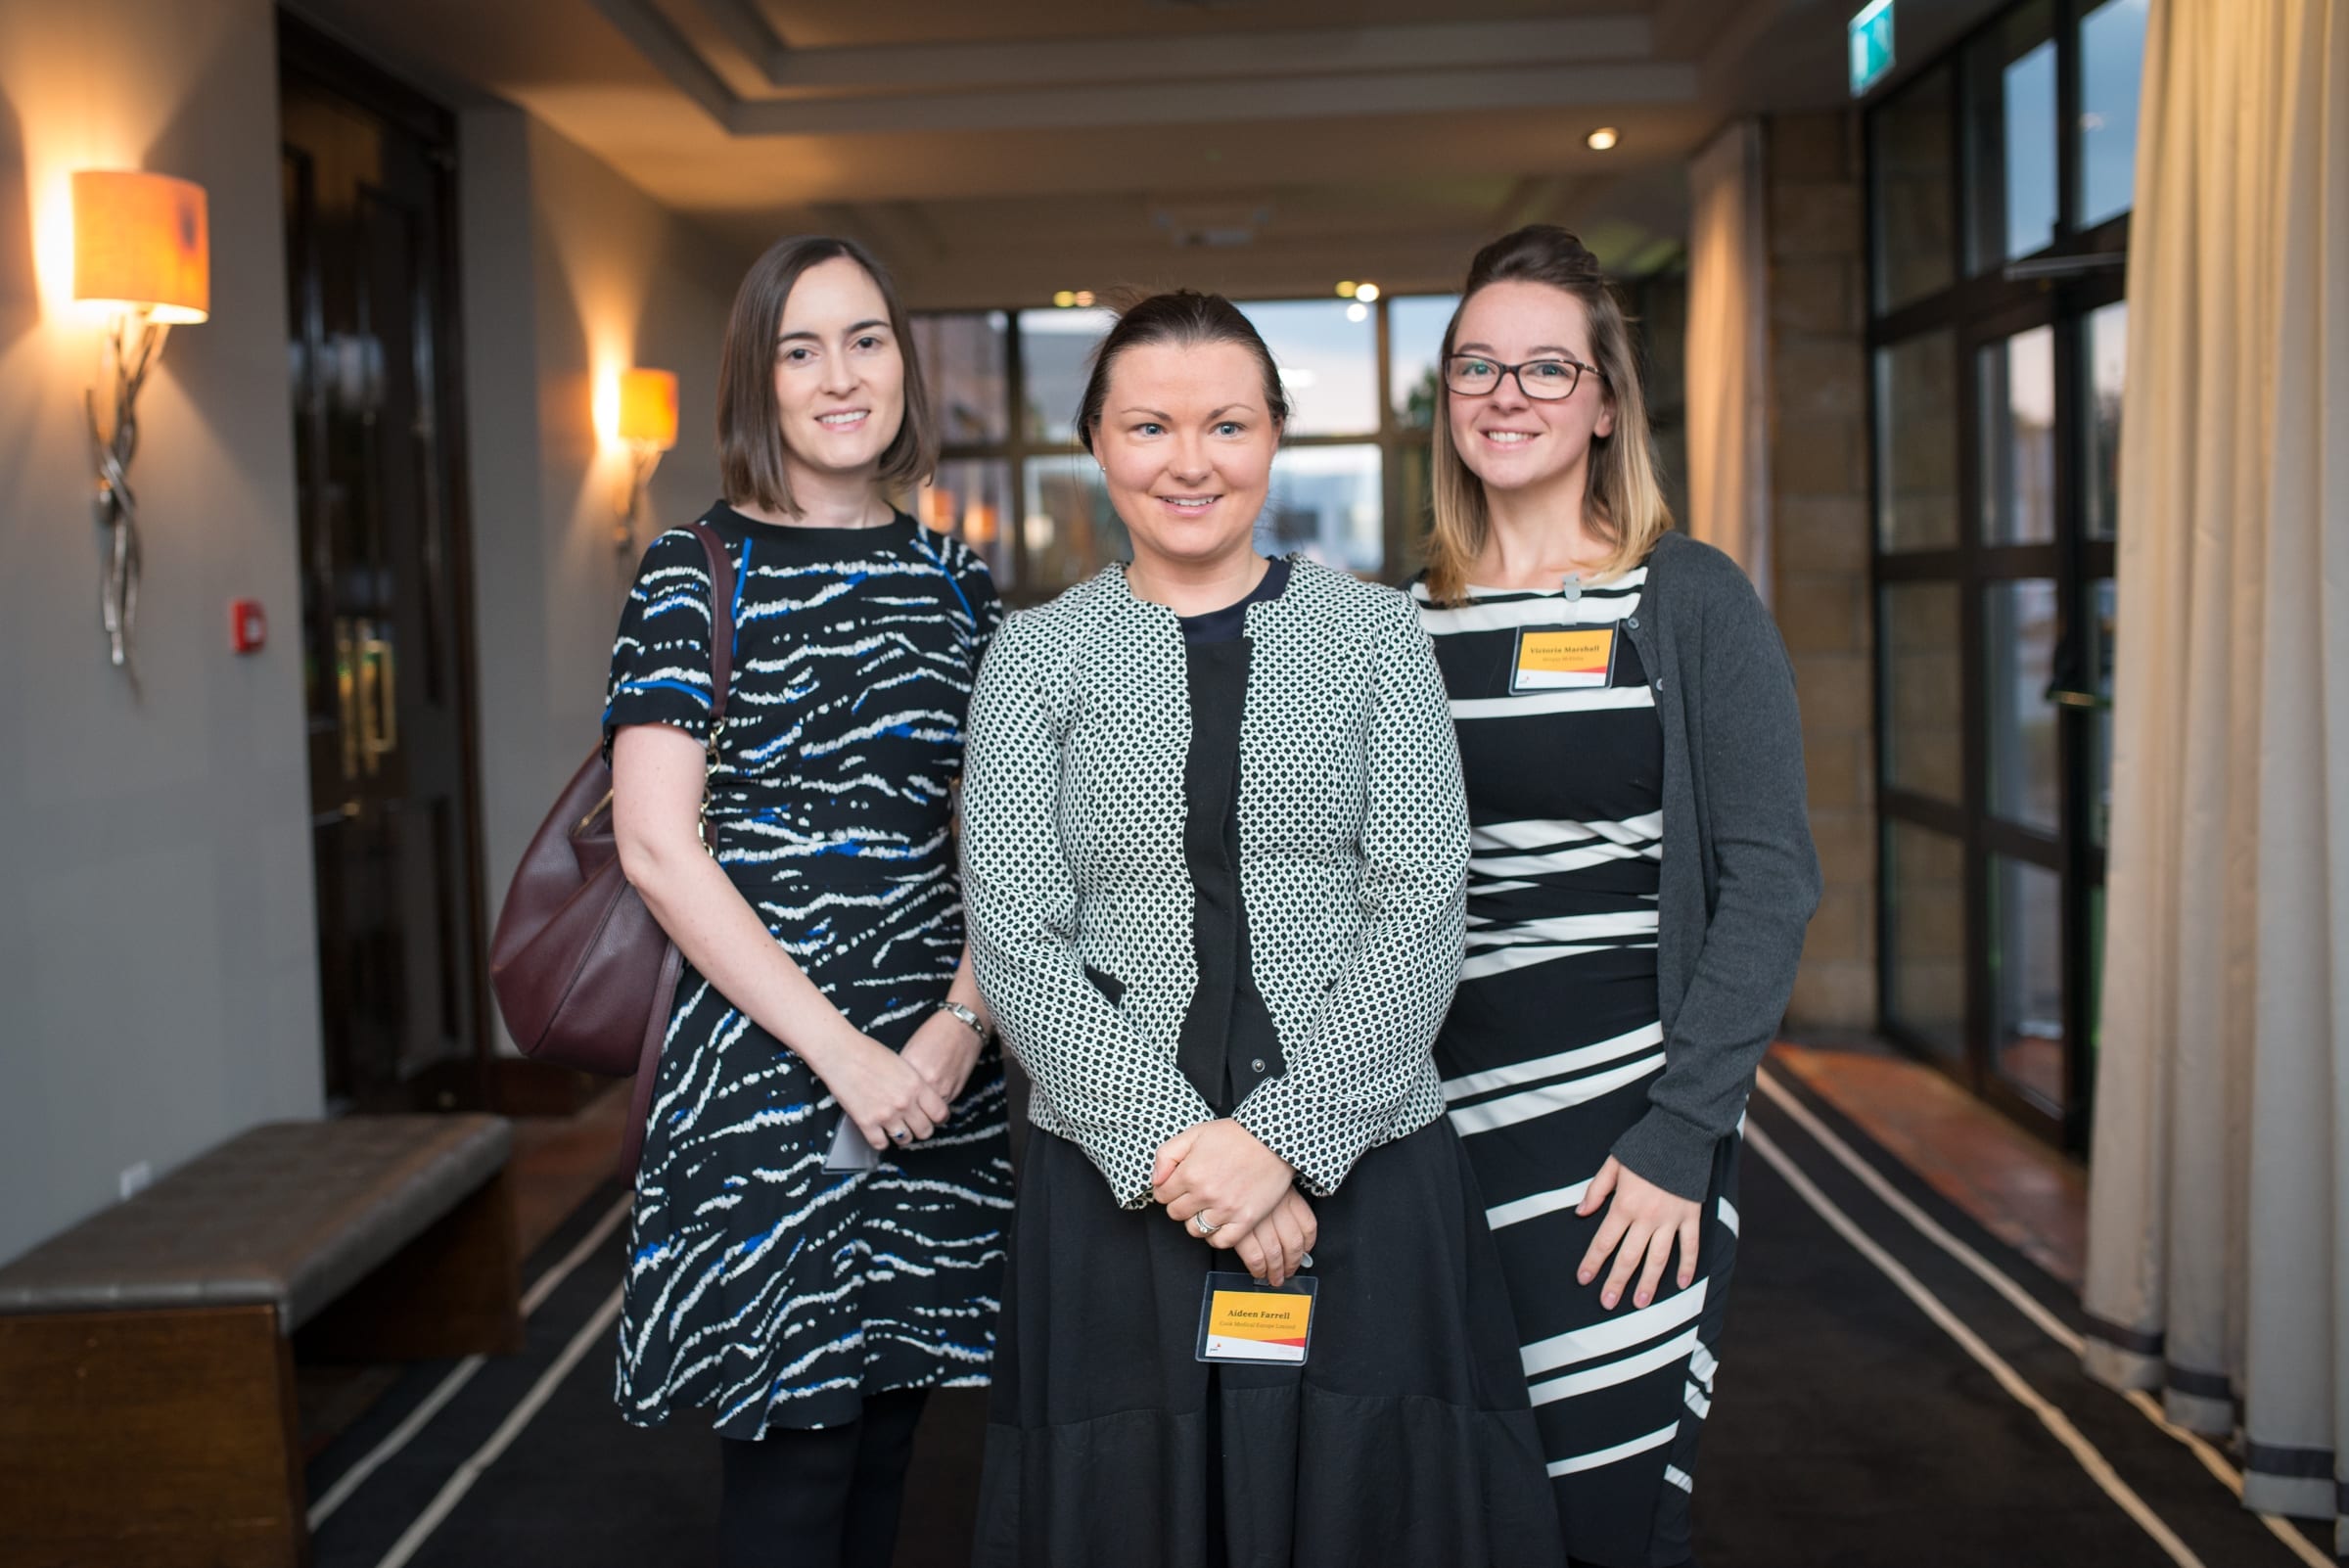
[
  {"x": 1555, "y": 1037},
  {"x": 761, "y": 1289}
]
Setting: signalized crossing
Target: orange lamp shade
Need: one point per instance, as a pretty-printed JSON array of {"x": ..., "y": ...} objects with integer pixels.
[
  {"x": 648, "y": 407},
  {"x": 142, "y": 242}
]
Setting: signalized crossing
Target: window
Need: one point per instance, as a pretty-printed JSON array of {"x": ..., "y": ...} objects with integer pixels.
[
  {"x": 2011, "y": 114},
  {"x": 1348, "y": 487},
  {"x": 2112, "y": 60},
  {"x": 1995, "y": 453},
  {"x": 1914, "y": 175}
]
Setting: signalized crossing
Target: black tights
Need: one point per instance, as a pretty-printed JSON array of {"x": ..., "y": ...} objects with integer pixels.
[{"x": 827, "y": 1498}]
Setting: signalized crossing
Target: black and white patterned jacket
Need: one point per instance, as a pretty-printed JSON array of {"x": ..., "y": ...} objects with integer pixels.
[{"x": 1354, "y": 850}]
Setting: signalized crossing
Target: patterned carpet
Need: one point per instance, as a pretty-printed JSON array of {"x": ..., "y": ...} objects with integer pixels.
[{"x": 1896, "y": 1389}]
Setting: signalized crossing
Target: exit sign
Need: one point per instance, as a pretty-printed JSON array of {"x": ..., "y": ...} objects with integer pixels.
[{"x": 1870, "y": 34}]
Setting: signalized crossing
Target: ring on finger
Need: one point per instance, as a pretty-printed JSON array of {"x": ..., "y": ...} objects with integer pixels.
[
  {"x": 1205, "y": 1229},
  {"x": 899, "y": 1134}
]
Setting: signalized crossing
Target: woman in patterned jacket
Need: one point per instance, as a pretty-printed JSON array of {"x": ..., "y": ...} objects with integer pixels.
[
  {"x": 800, "y": 1309},
  {"x": 1213, "y": 846}
]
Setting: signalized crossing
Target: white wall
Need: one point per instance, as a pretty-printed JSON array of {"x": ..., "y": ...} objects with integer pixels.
[
  {"x": 157, "y": 951},
  {"x": 572, "y": 274},
  {"x": 157, "y": 975}
]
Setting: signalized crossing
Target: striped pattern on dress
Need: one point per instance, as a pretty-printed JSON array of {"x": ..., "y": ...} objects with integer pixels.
[
  {"x": 1554, "y": 1040},
  {"x": 762, "y": 1290}
]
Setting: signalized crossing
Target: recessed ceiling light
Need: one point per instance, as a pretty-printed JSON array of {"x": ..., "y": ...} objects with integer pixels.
[
  {"x": 1345, "y": 291},
  {"x": 1084, "y": 297},
  {"x": 1365, "y": 292},
  {"x": 1065, "y": 299},
  {"x": 1603, "y": 138},
  {"x": 1358, "y": 311}
]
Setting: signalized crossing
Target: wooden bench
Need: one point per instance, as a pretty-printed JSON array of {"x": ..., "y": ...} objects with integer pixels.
[{"x": 146, "y": 1410}]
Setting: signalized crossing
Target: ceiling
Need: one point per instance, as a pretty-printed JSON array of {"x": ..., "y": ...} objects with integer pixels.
[{"x": 996, "y": 152}]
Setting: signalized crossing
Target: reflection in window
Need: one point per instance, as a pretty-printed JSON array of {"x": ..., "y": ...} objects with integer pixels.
[
  {"x": 1325, "y": 504},
  {"x": 963, "y": 367},
  {"x": 2018, "y": 439},
  {"x": 1922, "y": 688},
  {"x": 2012, "y": 119},
  {"x": 1068, "y": 528},
  {"x": 2026, "y": 958},
  {"x": 1914, "y": 170},
  {"x": 1328, "y": 363},
  {"x": 1924, "y": 882},
  {"x": 1415, "y": 339},
  {"x": 2018, "y": 646},
  {"x": 1055, "y": 346},
  {"x": 2106, "y": 363},
  {"x": 971, "y": 499},
  {"x": 2112, "y": 60},
  {"x": 1916, "y": 405}
]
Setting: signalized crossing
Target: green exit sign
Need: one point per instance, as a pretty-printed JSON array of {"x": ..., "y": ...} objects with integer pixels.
[{"x": 1870, "y": 34}]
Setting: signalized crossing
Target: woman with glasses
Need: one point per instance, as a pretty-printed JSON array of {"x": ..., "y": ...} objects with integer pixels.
[{"x": 1640, "y": 877}]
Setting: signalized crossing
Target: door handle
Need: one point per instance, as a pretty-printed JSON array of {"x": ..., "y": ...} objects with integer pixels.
[{"x": 381, "y": 658}]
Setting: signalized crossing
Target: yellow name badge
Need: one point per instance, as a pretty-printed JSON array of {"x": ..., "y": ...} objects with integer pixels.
[
  {"x": 1242, "y": 1321},
  {"x": 1563, "y": 659}
]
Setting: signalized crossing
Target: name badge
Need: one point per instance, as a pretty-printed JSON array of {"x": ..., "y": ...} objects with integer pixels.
[
  {"x": 1241, "y": 1319},
  {"x": 1563, "y": 659}
]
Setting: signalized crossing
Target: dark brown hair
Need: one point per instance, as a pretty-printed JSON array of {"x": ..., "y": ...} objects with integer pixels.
[
  {"x": 750, "y": 432},
  {"x": 1624, "y": 500},
  {"x": 1187, "y": 319}
]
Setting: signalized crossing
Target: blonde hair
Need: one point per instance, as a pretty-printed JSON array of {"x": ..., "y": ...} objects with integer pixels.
[{"x": 1623, "y": 502}]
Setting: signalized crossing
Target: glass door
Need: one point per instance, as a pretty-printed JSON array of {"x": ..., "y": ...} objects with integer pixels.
[{"x": 1997, "y": 334}]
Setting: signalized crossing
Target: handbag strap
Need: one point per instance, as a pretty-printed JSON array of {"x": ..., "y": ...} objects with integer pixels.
[{"x": 721, "y": 620}]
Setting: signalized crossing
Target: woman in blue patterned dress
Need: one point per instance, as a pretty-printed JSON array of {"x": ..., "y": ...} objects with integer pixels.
[{"x": 804, "y": 1312}]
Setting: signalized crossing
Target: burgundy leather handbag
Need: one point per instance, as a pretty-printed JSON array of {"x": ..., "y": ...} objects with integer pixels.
[{"x": 584, "y": 976}]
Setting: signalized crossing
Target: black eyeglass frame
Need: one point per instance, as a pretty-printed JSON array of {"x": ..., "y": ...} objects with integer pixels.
[{"x": 1518, "y": 370}]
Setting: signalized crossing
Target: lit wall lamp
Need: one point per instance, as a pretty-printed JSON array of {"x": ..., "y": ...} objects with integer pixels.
[
  {"x": 648, "y": 423},
  {"x": 141, "y": 249}
]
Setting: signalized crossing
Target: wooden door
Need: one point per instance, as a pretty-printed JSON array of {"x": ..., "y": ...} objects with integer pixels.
[{"x": 368, "y": 174}]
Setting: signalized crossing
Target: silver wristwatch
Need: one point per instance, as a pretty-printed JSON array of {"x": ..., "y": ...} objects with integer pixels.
[{"x": 978, "y": 1023}]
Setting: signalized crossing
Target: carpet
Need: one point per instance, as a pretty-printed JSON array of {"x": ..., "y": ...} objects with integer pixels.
[{"x": 1883, "y": 1402}]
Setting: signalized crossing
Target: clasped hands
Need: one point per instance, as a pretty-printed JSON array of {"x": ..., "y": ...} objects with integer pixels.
[{"x": 1218, "y": 1174}]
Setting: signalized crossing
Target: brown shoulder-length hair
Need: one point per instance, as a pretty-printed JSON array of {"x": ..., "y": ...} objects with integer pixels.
[
  {"x": 1186, "y": 319},
  {"x": 750, "y": 429},
  {"x": 1623, "y": 502}
]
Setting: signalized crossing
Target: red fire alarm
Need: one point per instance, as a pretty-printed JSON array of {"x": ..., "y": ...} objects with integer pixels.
[{"x": 248, "y": 628}]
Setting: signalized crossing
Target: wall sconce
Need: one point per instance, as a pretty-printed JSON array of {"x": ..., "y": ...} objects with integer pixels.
[
  {"x": 142, "y": 248},
  {"x": 648, "y": 423}
]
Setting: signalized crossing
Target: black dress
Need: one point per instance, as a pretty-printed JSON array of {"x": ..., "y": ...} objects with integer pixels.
[
  {"x": 1404, "y": 1439},
  {"x": 1553, "y": 1041},
  {"x": 762, "y": 1290}
]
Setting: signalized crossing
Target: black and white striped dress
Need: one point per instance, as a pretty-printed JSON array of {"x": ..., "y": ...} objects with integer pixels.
[
  {"x": 762, "y": 1290},
  {"x": 1555, "y": 1039}
]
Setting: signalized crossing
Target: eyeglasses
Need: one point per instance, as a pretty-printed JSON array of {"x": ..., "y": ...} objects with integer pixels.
[{"x": 1545, "y": 379}]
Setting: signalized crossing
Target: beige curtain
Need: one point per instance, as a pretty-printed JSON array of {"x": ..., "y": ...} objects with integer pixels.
[
  {"x": 1729, "y": 476},
  {"x": 2219, "y": 1211}
]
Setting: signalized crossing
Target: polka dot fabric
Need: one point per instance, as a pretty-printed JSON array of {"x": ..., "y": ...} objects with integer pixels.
[{"x": 1353, "y": 837}]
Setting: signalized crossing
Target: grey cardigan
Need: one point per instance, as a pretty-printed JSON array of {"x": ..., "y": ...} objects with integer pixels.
[{"x": 1740, "y": 878}]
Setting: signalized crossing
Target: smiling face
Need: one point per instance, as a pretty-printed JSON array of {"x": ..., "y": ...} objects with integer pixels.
[
  {"x": 1512, "y": 443},
  {"x": 840, "y": 374},
  {"x": 1185, "y": 443}
]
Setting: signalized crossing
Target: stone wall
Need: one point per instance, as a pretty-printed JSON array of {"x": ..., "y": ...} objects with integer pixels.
[{"x": 1820, "y": 536}]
